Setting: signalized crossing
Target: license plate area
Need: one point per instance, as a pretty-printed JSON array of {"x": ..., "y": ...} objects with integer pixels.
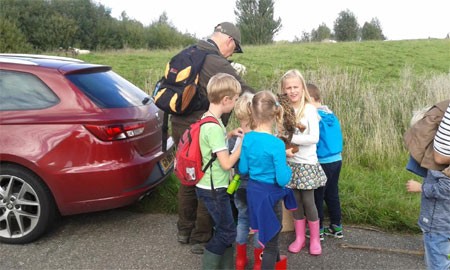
[{"x": 166, "y": 164}]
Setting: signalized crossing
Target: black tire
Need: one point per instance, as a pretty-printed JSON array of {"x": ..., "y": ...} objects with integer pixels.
[{"x": 27, "y": 208}]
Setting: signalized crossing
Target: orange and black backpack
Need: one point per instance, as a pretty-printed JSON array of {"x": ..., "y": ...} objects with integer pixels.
[{"x": 177, "y": 92}]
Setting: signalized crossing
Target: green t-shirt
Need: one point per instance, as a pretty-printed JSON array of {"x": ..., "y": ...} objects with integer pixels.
[{"x": 213, "y": 139}]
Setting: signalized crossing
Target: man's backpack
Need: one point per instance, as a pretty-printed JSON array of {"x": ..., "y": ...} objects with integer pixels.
[
  {"x": 188, "y": 167},
  {"x": 177, "y": 91}
]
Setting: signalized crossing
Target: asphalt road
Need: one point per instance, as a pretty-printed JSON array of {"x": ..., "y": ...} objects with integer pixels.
[{"x": 122, "y": 239}]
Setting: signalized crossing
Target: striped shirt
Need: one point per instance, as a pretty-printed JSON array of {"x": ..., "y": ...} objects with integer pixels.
[{"x": 442, "y": 138}]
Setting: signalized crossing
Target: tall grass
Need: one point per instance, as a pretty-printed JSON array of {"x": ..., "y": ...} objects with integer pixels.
[
  {"x": 373, "y": 87},
  {"x": 374, "y": 116}
]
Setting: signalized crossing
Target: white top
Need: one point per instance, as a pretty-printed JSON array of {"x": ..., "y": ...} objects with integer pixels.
[
  {"x": 307, "y": 141},
  {"x": 442, "y": 138}
]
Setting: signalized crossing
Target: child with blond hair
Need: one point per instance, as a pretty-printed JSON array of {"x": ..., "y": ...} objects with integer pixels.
[
  {"x": 263, "y": 158},
  {"x": 241, "y": 112},
  {"x": 307, "y": 174},
  {"x": 223, "y": 91}
]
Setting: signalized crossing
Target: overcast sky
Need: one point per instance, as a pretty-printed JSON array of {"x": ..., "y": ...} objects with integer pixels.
[{"x": 399, "y": 19}]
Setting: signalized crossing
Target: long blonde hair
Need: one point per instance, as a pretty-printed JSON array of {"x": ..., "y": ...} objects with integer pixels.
[
  {"x": 264, "y": 108},
  {"x": 305, "y": 98}
]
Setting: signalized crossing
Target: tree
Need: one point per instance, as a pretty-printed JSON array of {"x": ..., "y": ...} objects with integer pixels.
[
  {"x": 162, "y": 34},
  {"x": 322, "y": 32},
  {"x": 256, "y": 22},
  {"x": 372, "y": 31},
  {"x": 306, "y": 37},
  {"x": 46, "y": 25},
  {"x": 13, "y": 40},
  {"x": 32, "y": 18},
  {"x": 346, "y": 26}
]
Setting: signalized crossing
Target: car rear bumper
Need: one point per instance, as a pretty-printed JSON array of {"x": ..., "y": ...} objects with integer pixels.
[{"x": 118, "y": 186}]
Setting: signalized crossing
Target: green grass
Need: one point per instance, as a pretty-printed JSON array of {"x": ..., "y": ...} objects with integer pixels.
[
  {"x": 162, "y": 199},
  {"x": 378, "y": 198},
  {"x": 373, "y": 87},
  {"x": 378, "y": 61}
]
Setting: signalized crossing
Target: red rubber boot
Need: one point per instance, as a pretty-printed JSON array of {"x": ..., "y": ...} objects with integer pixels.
[
  {"x": 282, "y": 263},
  {"x": 257, "y": 252},
  {"x": 241, "y": 256}
]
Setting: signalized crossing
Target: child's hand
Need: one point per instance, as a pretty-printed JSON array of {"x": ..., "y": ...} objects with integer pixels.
[
  {"x": 239, "y": 132},
  {"x": 289, "y": 153},
  {"x": 301, "y": 127},
  {"x": 413, "y": 186}
]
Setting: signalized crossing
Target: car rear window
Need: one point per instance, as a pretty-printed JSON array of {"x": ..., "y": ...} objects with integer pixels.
[
  {"x": 108, "y": 89},
  {"x": 24, "y": 91}
]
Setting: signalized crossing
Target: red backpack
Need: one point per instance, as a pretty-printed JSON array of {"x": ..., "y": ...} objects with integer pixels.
[{"x": 188, "y": 165}]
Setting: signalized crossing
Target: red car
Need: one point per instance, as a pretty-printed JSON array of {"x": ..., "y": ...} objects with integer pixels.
[{"x": 74, "y": 138}]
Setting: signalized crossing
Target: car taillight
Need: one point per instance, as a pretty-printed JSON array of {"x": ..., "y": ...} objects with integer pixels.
[{"x": 116, "y": 132}]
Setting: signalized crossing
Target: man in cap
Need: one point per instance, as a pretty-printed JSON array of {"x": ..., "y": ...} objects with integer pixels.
[{"x": 194, "y": 223}]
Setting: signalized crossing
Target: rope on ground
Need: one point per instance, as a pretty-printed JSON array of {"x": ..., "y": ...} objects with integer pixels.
[{"x": 389, "y": 250}]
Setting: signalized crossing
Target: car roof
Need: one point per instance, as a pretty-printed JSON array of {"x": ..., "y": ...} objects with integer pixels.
[{"x": 64, "y": 64}]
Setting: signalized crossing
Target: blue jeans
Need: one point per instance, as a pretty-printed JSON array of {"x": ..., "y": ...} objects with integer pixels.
[
  {"x": 243, "y": 222},
  {"x": 329, "y": 193},
  {"x": 219, "y": 207},
  {"x": 437, "y": 250}
]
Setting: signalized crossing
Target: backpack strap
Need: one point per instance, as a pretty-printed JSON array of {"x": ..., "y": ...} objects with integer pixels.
[
  {"x": 210, "y": 119},
  {"x": 213, "y": 158},
  {"x": 165, "y": 133},
  {"x": 213, "y": 190}
]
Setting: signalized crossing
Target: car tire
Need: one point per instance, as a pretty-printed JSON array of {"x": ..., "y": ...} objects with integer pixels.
[{"x": 27, "y": 208}]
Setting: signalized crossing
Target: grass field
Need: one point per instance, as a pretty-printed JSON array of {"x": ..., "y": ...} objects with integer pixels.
[{"x": 373, "y": 87}]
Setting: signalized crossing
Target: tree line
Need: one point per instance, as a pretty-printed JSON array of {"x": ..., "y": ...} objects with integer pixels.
[
  {"x": 256, "y": 20},
  {"x": 48, "y": 25},
  {"x": 346, "y": 28}
]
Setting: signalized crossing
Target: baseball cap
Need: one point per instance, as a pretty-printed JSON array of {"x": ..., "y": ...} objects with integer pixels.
[{"x": 231, "y": 30}]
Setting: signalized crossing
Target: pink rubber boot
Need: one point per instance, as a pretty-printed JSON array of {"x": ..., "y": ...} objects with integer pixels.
[
  {"x": 314, "y": 239},
  {"x": 299, "y": 242}
]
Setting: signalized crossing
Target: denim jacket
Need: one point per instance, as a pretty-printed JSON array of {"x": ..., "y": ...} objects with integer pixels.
[{"x": 435, "y": 203}]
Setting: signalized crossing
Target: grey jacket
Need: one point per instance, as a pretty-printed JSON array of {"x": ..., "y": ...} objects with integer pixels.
[{"x": 435, "y": 203}]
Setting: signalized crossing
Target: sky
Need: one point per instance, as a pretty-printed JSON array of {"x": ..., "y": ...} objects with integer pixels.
[{"x": 399, "y": 19}]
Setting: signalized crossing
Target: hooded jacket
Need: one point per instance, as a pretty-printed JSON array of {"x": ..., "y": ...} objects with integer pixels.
[{"x": 330, "y": 143}]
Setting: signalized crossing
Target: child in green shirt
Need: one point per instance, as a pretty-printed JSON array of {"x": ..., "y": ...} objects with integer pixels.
[{"x": 223, "y": 91}]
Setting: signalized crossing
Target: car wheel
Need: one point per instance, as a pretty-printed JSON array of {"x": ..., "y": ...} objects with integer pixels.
[{"x": 26, "y": 205}]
